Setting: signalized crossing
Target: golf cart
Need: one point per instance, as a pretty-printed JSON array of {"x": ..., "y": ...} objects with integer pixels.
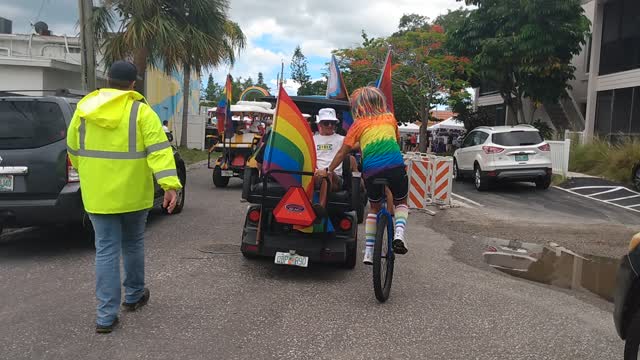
[
  {"x": 249, "y": 120},
  {"x": 268, "y": 232}
]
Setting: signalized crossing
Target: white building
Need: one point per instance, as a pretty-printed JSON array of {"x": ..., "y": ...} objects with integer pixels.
[
  {"x": 605, "y": 99},
  {"x": 41, "y": 62}
]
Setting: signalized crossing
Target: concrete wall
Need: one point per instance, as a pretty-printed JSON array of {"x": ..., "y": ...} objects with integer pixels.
[
  {"x": 21, "y": 78},
  {"x": 56, "y": 78}
]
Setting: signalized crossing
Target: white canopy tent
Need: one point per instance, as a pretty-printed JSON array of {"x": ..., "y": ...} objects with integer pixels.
[
  {"x": 409, "y": 129},
  {"x": 449, "y": 124}
]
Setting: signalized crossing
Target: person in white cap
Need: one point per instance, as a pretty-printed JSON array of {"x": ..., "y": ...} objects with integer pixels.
[{"x": 327, "y": 144}]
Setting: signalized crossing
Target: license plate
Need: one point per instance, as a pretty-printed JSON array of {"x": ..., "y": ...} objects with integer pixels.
[
  {"x": 6, "y": 182},
  {"x": 522, "y": 157},
  {"x": 283, "y": 258},
  {"x": 227, "y": 173}
]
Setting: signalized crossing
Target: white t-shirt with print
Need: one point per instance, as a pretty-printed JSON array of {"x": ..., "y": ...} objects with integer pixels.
[{"x": 326, "y": 149}]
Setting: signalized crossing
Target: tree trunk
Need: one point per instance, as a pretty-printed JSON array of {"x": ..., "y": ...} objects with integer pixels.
[
  {"x": 186, "y": 95},
  {"x": 140, "y": 61},
  {"x": 424, "y": 118}
]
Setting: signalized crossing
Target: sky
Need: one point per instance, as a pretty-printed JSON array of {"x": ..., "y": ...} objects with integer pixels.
[{"x": 273, "y": 28}]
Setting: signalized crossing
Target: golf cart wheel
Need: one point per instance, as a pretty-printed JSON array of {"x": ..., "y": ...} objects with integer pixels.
[
  {"x": 632, "y": 342},
  {"x": 250, "y": 178},
  {"x": 219, "y": 180},
  {"x": 352, "y": 256}
]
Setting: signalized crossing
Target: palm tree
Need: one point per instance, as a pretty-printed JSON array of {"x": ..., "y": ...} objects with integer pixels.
[
  {"x": 212, "y": 41},
  {"x": 192, "y": 34}
]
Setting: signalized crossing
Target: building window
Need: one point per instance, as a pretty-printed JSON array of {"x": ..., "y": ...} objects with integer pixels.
[
  {"x": 495, "y": 113},
  {"x": 620, "y": 37},
  {"x": 618, "y": 114}
]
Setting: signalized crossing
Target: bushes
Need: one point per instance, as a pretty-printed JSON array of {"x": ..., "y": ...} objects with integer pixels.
[{"x": 599, "y": 158}]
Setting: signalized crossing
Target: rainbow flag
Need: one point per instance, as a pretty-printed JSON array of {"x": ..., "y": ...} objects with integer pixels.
[
  {"x": 290, "y": 146},
  {"x": 384, "y": 83},
  {"x": 223, "y": 111}
]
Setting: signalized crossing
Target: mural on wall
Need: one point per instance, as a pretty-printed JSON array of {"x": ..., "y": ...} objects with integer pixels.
[{"x": 164, "y": 94}]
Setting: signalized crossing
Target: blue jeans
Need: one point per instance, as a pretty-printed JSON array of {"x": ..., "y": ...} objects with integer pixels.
[{"x": 115, "y": 233}]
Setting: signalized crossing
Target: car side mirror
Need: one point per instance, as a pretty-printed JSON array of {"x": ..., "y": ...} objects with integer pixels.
[{"x": 169, "y": 137}]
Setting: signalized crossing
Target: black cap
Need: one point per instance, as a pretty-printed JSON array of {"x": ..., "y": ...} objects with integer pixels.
[{"x": 123, "y": 71}]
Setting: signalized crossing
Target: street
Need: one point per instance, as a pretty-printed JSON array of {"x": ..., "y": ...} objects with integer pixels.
[{"x": 208, "y": 302}]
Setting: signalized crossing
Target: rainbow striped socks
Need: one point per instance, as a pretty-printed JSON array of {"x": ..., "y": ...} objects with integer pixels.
[
  {"x": 401, "y": 215},
  {"x": 370, "y": 226}
]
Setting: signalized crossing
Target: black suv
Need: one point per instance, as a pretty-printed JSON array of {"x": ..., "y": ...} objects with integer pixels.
[{"x": 38, "y": 185}]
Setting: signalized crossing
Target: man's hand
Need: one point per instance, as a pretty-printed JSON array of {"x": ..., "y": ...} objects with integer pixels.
[
  {"x": 170, "y": 199},
  {"x": 321, "y": 172}
]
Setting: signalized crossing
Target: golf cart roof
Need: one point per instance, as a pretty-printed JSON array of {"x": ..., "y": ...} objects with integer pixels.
[{"x": 312, "y": 104}]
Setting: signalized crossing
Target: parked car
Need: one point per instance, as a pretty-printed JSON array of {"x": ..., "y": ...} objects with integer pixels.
[
  {"x": 38, "y": 185},
  {"x": 503, "y": 153}
]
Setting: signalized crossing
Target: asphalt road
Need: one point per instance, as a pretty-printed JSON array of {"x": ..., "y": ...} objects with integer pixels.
[
  {"x": 551, "y": 205},
  {"x": 222, "y": 306}
]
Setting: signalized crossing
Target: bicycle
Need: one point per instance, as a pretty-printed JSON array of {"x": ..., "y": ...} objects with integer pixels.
[{"x": 383, "y": 255}]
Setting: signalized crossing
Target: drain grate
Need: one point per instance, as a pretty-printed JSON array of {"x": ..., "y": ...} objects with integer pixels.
[{"x": 220, "y": 249}]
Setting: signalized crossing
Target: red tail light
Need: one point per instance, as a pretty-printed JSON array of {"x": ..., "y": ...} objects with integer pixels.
[
  {"x": 492, "y": 149},
  {"x": 545, "y": 147},
  {"x": 254, "y": 215},
  {"x": 491, "y": 249},
  {"x": 251, "y": 248},
  {"x": 72, "y": 173},
  {"x": 345, "y": 224}
]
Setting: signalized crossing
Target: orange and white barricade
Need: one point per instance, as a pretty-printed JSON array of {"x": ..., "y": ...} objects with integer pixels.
[
  {"x": 417, "y": 183},
  {"x": 442, "y": 181}
]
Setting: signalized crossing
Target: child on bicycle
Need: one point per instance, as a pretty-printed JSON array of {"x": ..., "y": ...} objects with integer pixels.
[{"x": 376, "y": 130}]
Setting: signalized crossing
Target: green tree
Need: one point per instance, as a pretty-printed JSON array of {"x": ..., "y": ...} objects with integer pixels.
[
  {"x": 213, "y": 91},
  {"x": 318, "y": 87},
  {"x": 192, "y": 35},
  {"x": 261, "y": 83},
  {"x": 452, "y": 20},
  {"x": 299, "y": 72},
  {"x": 424, "y": 73},
  {"x": 524, "y": 48}
]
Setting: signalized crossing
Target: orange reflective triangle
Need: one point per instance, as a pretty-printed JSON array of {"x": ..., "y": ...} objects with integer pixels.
[{"x": 295, "y": 208}]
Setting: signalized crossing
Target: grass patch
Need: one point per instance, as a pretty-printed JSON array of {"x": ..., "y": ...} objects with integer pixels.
[
  {"x": 192, "y": 156},
  {"x": 557, "y": 180},
  {"x": 610, "y": 161}
]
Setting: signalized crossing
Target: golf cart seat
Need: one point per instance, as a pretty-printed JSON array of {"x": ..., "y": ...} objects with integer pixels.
[{"x": 338, "y": 201}]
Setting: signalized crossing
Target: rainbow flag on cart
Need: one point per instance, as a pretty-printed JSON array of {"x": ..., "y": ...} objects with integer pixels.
[{"x": 291, "y": 147}]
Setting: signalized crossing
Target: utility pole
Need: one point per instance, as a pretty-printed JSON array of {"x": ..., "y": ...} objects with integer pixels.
[{"x": 87, "y": 45}]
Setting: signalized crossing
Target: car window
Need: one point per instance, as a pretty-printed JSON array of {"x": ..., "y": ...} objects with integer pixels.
[
  {"x": 480, "y": 138},
  {"x": 517, "y": 138},
  {"x": 468, "y": 140},
  {"x": 30, "y": 124}
]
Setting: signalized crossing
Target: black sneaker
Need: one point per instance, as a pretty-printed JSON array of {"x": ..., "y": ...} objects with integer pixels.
[
  {"x": 106, "y": 329},
  {"x": 399, "y": 247},
  {"x": 137, "y": 305}
]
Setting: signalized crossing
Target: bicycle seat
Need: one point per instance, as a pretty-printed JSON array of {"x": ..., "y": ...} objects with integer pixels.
[{"x": 380, "y": 181}]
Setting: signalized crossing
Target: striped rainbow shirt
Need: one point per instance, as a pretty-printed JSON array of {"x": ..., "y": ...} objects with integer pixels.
[{"x": 378, "y": 138}]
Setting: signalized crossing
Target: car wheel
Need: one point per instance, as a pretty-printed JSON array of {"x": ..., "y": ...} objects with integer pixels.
[
  {"x": 481, "y": 181},
  {"x": 543, "y": 183},
  {"x": 352, "y": 257},
  {"x": 457, "y": 176},
  {"x": 635, "y": 177},
  {"x": 219, "y": 180}
]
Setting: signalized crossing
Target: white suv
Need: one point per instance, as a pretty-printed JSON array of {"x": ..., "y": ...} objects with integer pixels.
[{"x": 503, "y": 153}]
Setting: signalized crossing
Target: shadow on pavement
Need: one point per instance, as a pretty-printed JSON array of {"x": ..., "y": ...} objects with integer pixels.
[{"x": 266, "y": 269}]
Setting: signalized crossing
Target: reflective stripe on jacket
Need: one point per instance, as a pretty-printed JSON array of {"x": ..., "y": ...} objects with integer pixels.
[{"x": 117, "y": 144}]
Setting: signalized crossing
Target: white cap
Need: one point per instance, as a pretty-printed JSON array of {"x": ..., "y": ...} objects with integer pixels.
[{"x": 326, "y": 114}]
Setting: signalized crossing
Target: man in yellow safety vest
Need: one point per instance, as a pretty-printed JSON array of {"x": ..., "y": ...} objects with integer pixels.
[{"x": 116, "y": 142}]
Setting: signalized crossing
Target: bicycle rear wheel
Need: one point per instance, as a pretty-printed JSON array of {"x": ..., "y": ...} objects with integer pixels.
[{"x": 383, "y": 259}]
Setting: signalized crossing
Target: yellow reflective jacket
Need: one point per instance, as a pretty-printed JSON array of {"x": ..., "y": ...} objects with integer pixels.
[{"x": 117, "y": 144}]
